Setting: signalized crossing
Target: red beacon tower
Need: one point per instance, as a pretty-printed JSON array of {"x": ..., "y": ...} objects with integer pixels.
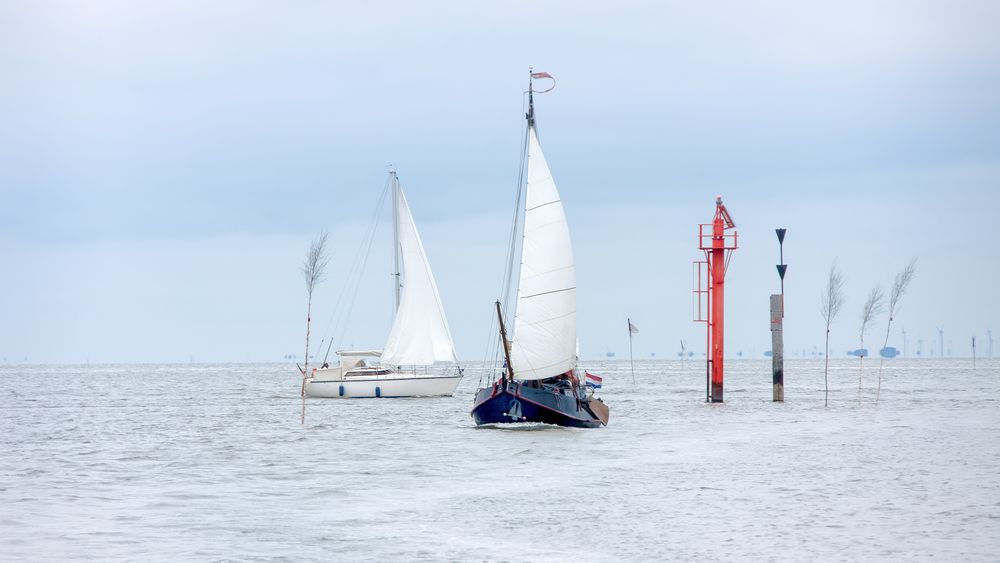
[{"x": 709, "y": 293}]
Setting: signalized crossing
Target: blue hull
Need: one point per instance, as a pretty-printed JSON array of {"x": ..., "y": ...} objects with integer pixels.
[{"x": 516, "y": 402}]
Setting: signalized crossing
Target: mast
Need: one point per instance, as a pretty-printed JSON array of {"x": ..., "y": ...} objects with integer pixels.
[
  {"x": 531, "y": 101},
  {"x": 395, "y": 232}
]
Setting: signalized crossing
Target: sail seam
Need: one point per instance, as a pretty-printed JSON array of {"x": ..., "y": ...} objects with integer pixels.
[
  {"x": 546, "y": 367},
  {"x": 547, "y": 292},
  {"x": 546, "y": 320},
  {"x": 543, "y": 205},
  {"x": 547, "y": 272}
]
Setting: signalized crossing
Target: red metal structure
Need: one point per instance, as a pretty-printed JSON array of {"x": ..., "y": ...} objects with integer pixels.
[{"x": 709, "y": 292}]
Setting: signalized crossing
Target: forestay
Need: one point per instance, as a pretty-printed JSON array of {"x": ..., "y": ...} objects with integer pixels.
[
  {"x": 420, "y": 334},
  {"x": 544, "y": 341}
]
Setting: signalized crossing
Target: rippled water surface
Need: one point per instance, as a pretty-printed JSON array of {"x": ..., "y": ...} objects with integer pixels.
[{"x": 210, "y": 462}]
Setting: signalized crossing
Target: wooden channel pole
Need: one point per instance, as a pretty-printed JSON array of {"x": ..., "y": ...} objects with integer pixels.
[
  {"x": 777, "y": 326},
  {"x": 777, "y": 348}
]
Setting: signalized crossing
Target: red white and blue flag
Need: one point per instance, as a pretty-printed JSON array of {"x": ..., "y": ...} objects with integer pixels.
[
  {"x": 594, "y": 381},
  {"x": 541, "y": 75}
]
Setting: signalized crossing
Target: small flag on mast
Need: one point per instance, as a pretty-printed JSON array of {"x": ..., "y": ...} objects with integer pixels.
[
  {"x": 541, "y": 75},
  {"x": 632, "y": 329}
]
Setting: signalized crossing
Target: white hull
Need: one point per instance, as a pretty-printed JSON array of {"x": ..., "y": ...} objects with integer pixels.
[{"x": 385, "y": 385}]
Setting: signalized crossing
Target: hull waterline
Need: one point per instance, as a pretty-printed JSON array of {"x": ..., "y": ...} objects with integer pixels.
[
  {"x": 392, "y": 385},
  {"x": 516, "y": 402}
]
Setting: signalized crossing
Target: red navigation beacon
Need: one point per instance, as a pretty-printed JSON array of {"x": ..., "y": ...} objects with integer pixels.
[{"x": 710, "y": 280}]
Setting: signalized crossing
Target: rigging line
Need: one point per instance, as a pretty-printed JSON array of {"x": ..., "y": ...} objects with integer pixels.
[
  {"x": 490, "y": 365},
  {"x": 354, "y": 294},
  {"x": 489, "y": 345},
  {"x": 521, "y": 192},
  {"x": 350, "y": 303},
  {"x": 508, "y": 275},
  {"x": 509, "y": 288},
  {"x": 513, "y": 264},
  {"x": 356, "y": 270},
  {"x": 486, "y": 352},
  {"x": 348, "y": 279},
  {"x": 499, "y": 355},
  {"x": 493, "y": 344},
  {"x": 506, "y": 280}
]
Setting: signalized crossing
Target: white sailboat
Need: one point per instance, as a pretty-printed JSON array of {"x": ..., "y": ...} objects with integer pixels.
[
  {"x": 419, "y": 338},
  {"x": 541, "y": 382}
]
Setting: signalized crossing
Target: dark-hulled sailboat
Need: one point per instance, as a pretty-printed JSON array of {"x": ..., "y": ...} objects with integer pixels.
[{"x": 540, "y": 381}]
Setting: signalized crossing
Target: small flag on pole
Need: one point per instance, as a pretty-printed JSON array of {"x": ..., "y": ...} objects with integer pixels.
[
  {"x": 632, "y": 329},
  {"x": 541, "y": 75},
  {"x": 594, "y": 381}
]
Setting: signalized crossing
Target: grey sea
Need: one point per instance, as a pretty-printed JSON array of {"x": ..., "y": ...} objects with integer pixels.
[{"x": 212, "y": 463}]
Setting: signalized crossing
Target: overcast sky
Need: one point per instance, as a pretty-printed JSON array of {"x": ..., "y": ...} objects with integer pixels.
[{"x": 163, "y": 166}]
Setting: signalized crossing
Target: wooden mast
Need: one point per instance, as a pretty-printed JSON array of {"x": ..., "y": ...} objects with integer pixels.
[{"x": 506, "y": 344}]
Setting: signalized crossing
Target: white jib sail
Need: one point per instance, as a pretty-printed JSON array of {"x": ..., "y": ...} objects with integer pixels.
[
  {"x": 420, "y": 334},
  {"x": 544, "y": 342}
]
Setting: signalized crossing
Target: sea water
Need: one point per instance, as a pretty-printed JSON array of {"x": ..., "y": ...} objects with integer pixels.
[{"x": 213, "y": 462}]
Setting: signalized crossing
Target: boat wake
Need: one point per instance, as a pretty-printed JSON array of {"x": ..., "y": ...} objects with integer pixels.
[{"x": 520, "y": 426}]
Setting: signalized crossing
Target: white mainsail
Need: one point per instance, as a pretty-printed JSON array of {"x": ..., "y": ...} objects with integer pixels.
[
  {"x": 544, "y": 341},
  {"x": 420, "y": 334}
]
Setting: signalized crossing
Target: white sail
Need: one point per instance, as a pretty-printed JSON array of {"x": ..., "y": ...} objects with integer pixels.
[
  {"x": 420, "y": 334},
  {"x": 544, "y": 341}
]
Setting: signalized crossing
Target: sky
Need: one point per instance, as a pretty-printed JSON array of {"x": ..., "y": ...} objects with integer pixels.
[{"x": 164, "y": 165}]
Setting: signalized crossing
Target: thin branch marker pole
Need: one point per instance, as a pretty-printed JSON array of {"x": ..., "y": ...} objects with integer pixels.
[
  {"x": 312, "y": 270},
  {"x": 832, "y": 301},
  {"x": 826, "y": 371},
  {"x": 899, "y": 286},
  {"x": 873, "y": 306}
]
